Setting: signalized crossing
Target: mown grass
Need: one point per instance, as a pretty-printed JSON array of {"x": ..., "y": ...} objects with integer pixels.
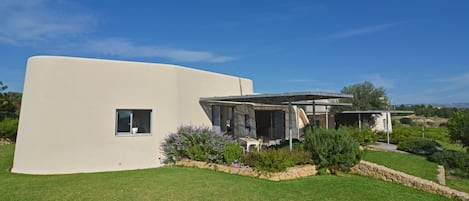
[
  {"x": 179, "y": 183},
  {"x": 401, "y": 132},
  {"x": 459, "y": 184},
  {"x": 411, "y": 164}
]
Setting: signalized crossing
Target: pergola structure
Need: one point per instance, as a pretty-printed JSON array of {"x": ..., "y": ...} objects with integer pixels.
[
  {"x": 321, "y": 103},
  {"x": 388, "y": 112},
  {"x": 281, "y": 99}
]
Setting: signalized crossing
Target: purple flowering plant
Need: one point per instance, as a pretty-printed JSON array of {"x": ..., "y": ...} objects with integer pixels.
[{"x": 198, "y": 143}]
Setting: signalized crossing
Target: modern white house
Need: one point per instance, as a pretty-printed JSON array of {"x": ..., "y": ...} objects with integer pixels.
[{"x": 93, "y": 115}]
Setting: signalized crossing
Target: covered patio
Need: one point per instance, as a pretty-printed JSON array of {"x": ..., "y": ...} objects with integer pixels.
[{"x": 261, "y": 117}]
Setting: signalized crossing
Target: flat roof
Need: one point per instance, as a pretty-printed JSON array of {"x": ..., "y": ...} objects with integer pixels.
[
  {"x": 377, "y": 111},
  {"x": 279, "y": 98}
]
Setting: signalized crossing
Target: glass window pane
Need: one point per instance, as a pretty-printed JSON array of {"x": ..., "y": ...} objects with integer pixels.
[
  {"x": 142, "y": 121},
  {"x": 123, "y": 121}
]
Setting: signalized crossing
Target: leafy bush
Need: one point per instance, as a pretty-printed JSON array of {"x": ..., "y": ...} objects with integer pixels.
[
  {"x": 424, "y": 147},
  {"x": 457, "y": 162},
  {"x": 362, "y": 136},
  {"x": 232, "y": 152},
  {"x": 9, "y": 128},
  {"x": 196, "y": 143},
  {"x": 275, "y": 160},
  {"x": 332, "y": 149},
  {"x": 458, "y": 127},
  {"x": 399, "y": 134}
]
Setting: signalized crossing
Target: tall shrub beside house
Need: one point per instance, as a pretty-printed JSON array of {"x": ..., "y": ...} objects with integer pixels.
[
  {"x": 8, "y": 128},
  {"x": 196, "y": 143},
  {"x": 232, "y": 152},
  {"x": 335, "y": 150}
]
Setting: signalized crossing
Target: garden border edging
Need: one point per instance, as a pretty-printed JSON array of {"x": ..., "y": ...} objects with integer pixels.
[
  {"x": 374, "y": 170},
  {"x": 291, "y": 172}
]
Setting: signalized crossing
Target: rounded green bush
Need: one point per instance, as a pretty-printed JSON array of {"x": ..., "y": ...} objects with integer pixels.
[
  {"x": 232, "y": 152},
  {"x": 424, "y": 147},
  {"x": 8, "y": 128},
  {"x": 332, "y": 149}
]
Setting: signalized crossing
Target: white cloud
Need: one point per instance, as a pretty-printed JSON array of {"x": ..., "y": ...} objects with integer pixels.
[
  {"x": 379, "y": 81},
  {"x": 63, "y": 27},
  {"x": 28, "y": 22},
  {"x": 451, "y": 83},
  {"x": 125, "y": 48},
  {"x": 360, "y": 31}
]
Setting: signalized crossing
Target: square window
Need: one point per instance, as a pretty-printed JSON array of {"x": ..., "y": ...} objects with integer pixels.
[{"x": 132, "y": 122}]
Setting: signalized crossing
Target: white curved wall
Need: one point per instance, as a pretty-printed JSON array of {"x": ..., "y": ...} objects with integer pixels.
[{"x": 68, "y": 112}]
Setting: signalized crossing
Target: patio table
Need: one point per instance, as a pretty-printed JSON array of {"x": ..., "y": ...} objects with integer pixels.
[{"x": 249, "y": 142}]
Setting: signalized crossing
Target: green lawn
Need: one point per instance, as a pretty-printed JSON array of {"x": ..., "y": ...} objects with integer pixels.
[
  {"x": 458, "y": 184},
  {"x": 411, "y": 164},
  {"x": 178, "y": 183},
  {"x": 414, "y": 165}
]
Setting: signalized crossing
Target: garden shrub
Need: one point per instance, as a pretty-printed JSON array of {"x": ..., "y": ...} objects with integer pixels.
[
  {"x": 332, "y": 149},
  {"x": 455, "y": 161},
  {"x": 9, "y": 128},
  {"x": 232, "y": 152},
  {"x": 196, "y": 143},
  {"x": 362, "y": 136},
  {"x": 275, "y": 160},
  {"x": 424, "y": 147},
  {"x": 399, "y": 134}
]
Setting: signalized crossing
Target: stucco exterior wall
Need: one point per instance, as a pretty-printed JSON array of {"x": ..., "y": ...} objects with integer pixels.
[
  {"x": 68, "y": 114},
  {"x": 381, "y": 121}
]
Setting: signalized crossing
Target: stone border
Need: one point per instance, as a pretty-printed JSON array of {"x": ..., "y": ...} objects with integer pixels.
[
  {"x": 5, "y": 141},
  {"x": 374, "y": 170},
  {"x": 441, "y": 175},
  {"x": 291, "y": 173}
]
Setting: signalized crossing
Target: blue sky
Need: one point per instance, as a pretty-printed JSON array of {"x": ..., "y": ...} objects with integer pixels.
[{"x": 417, "y": 50}]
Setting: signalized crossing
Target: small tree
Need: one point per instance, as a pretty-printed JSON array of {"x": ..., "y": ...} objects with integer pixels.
[
  {"x": 458, "y": 127},
  {"x": 365, "y": 97}
]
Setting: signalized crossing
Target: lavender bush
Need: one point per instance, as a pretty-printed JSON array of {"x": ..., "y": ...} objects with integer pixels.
[{"x": 196, "y": 143}]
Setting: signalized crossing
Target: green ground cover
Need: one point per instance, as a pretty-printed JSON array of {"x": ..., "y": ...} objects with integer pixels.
[
  {"x": 179, "y": 183},
  {"x": 411, "y": 164},
  {"x": 458, "y": 184},
  {"x": 401, "y": 132}
]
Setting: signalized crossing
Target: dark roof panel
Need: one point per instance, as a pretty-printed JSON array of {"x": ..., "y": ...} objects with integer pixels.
[{"x": 279, "y": 98}]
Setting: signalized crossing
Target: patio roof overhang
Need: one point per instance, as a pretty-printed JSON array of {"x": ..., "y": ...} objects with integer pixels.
[
  {"x": 378, "y": 112},
  {"x": 279, "y": 98}
]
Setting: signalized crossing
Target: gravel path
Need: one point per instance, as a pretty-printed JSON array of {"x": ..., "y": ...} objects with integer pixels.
[{"x": 386, "y": 147}]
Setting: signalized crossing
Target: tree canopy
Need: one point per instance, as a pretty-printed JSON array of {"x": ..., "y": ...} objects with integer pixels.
[
  {"x": 458, "y": 127},
  {"x": 365, "y": 97}
]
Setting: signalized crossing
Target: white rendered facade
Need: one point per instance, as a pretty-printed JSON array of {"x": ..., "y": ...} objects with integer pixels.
[{"x": 68, "y": 121}]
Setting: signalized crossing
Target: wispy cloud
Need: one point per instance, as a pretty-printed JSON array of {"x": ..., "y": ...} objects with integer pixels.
[
  {"x": 451, "y": 83},
  {"x": 360, "y": 31},
  {"x": 379, "y": 81},
  {"x": 125, "y": 48},
  {"x": 29, "y": 22},
  {"x": 57, "y": 24}
]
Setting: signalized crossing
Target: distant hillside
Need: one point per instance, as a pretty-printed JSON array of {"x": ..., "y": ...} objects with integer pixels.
[
  {"x": 452, "y": 105},
  {"x": 440, "y": 105}
]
